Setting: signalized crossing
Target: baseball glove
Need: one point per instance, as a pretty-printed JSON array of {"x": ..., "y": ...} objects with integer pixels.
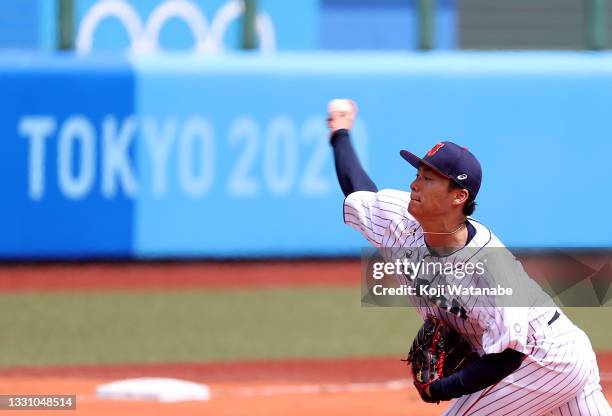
[{"x": 437, "y": 352}]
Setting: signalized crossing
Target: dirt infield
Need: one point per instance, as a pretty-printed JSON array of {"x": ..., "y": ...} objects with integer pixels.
[
  {"x": 356, "y": 386},
  {"x": 177, "y": 276},
  {"x": 228, "y": 400},
  {"x": 298, "y": 387}
]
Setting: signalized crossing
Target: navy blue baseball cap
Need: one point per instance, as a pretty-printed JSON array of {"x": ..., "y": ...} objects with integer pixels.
[{"x": 452, "y": 161}]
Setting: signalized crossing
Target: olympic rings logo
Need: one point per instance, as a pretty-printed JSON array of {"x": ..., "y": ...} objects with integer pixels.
[{"x": 144, "y": 37}]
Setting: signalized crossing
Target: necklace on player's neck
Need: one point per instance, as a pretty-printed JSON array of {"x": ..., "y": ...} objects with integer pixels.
[{"x": 447, "y": 233}]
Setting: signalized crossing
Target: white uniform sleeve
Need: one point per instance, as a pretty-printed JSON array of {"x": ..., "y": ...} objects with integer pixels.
[
  {"x": 370, "y": 213},
  {"x": 505, "y": 327}
]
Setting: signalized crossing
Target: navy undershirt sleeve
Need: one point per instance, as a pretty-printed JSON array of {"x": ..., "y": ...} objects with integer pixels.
[
  {"x": 477, "y": 375},
  {"x": 351, "y": 175}
]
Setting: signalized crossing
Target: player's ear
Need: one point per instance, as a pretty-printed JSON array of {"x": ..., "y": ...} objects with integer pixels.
[{"x": 460, "y": 196}]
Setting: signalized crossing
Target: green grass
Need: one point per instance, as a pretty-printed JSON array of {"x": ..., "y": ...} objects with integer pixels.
[
  {"x": 596, "y": 323},
  {"x": 120, "y": 327},
  {"x": 41, "y": 329}
]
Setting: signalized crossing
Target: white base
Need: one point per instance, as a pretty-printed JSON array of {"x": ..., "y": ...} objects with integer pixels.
[{"x": 154, "y": 389}]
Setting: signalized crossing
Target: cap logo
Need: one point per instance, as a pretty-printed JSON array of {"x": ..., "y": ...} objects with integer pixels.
[
  {"x": 435, "y": 149},
  {"x": 462, "y": 176}
]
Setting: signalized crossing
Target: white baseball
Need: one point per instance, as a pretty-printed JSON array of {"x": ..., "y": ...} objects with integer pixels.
[{"x": 340, "y": 104}]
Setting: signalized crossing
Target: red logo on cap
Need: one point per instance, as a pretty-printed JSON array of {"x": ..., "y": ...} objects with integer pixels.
[{"x": 435, "y": 149}]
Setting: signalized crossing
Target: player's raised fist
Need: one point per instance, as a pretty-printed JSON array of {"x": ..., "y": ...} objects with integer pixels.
[{"x": 341, "y": 113}]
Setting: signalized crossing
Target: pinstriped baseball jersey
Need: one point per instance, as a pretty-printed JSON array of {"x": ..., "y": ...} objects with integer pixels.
[{"x": 560, "y": 364}]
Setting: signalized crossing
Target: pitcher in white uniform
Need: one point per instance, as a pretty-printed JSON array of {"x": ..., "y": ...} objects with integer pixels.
[{"x": 533, "y": 359}]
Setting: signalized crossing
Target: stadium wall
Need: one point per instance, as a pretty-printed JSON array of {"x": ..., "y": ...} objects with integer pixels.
[
  {"x": 29, "y": 25},
  {"x": 183, "y": 156}
]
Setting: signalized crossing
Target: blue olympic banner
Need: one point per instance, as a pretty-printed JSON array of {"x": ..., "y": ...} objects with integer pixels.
[
  {"x": 59, "y": 127},
  {"x": 205, "y": 27},
  {"x": 185, "y": 156}
]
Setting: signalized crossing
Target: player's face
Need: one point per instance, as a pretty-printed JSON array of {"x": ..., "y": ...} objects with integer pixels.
[{"x": 430, "y": 196}]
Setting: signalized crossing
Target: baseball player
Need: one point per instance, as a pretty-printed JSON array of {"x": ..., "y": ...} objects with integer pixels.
[{"x": 531, "y": 360}]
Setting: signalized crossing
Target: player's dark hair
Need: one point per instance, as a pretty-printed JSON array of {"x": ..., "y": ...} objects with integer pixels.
[{"x": 470, "y": 204}]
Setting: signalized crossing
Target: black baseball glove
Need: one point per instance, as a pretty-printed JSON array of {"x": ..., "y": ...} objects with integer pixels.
[{"x": 437, "y": 352}]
